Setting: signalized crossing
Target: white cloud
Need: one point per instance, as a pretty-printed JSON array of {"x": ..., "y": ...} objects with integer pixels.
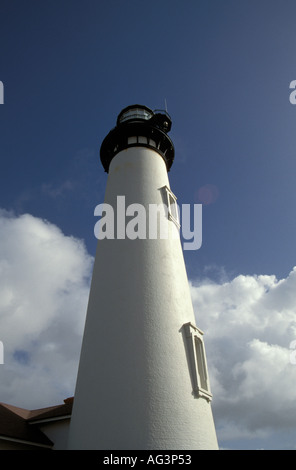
[
  {"x": 44, "y": 286},
  {"x": 249, "y": 324},
  {"x": 60, "y": 190}
]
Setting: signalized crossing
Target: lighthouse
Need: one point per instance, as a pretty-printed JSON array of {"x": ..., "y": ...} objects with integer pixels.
[{"x": 142, "y": 380}]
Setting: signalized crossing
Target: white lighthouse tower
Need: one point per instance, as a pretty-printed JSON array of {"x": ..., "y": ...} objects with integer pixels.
[{"x": 142, "y": 380}]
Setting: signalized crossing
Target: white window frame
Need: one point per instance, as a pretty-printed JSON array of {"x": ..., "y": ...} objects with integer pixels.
[
  {"x": 173, "y": 212},
  {"x": 197, "y": 361}
]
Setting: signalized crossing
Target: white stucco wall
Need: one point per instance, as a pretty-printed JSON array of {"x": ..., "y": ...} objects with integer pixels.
[
  {"x": 134, "y": 389},
  {"x": 57, "y": 431}
]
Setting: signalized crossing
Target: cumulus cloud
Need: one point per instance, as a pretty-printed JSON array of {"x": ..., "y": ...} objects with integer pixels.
[
  {"x": 44, "y": 286},
  {"x": 249, "y": 324}
]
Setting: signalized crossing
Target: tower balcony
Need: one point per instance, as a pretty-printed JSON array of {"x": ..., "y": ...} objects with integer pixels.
[{"x": 138, "y": 125}]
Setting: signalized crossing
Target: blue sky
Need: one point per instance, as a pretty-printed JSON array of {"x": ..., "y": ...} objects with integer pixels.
[{"x": 223, "y": 67}]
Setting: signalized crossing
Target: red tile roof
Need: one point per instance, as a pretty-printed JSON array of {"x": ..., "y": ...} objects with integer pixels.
[
  {"x": 14, "y": 427},
  {"x": 17, "y": 423},
  {"x": 52, "y": 412}
]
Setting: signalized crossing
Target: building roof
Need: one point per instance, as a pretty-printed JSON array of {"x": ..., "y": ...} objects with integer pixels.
[
  {"x": 52, "y": 413},
  {"x": 16, "y": 423}
]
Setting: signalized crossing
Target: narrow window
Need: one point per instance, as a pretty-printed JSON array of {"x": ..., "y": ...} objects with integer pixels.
[
  {"x": 201, "y": 366},
  {"x": 173, "y": 211},
  {"x": 132, "y": 140},
  {"x": 197, "y": 361}
]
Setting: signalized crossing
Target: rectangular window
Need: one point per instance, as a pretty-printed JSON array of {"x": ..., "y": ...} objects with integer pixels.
[
  {"x": 197, "y": 361},
  {"x": 173, "y": 211},
  {"x": 132, "y": 140},
  {"x": 201, "y": 366}
]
